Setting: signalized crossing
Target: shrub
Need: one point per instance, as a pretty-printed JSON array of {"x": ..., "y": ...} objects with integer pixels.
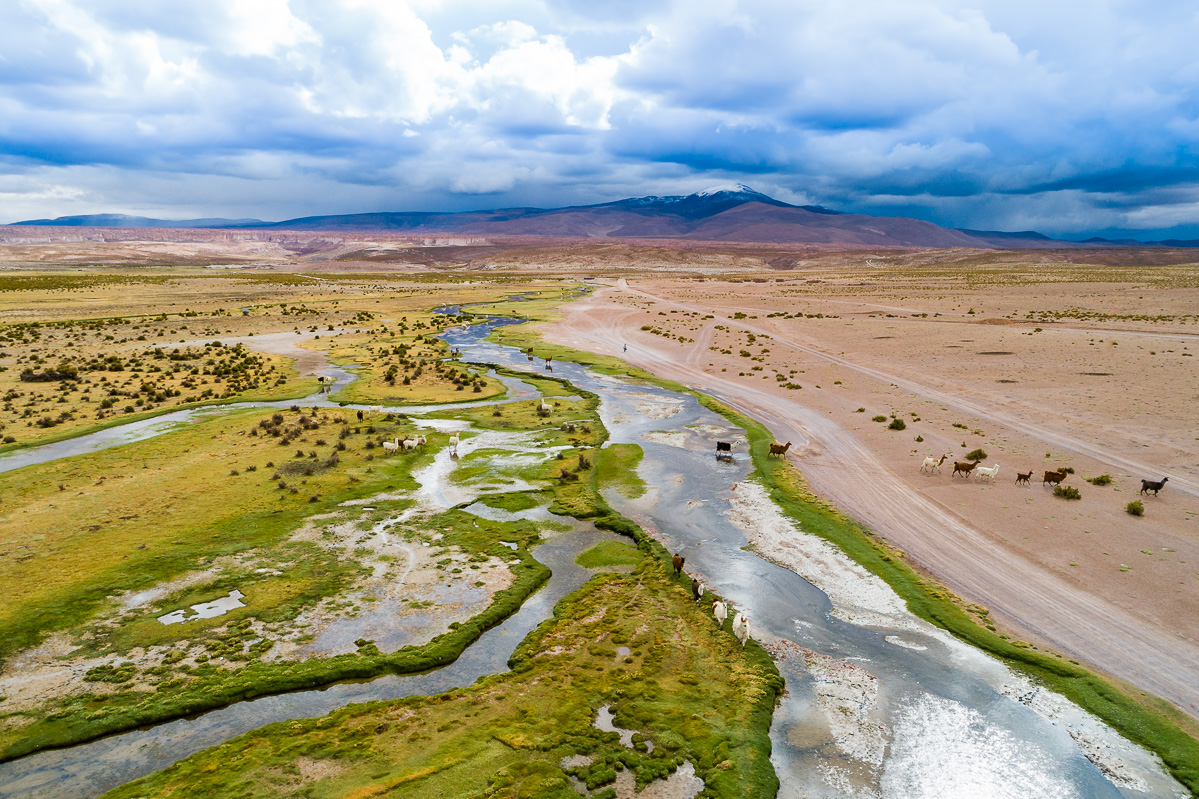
[
  {"x": 860, "y": 410},
  {"x": 977, "y": 455},
  {"x": 879, "y": 418},
  {"x": 919, "y": 439},
  {"x": 897, "y": 424},
  {"x": 1135, "y": 508},
  {"x": 1066, "y": 492},
  {"x": 1101, "y": 480}
]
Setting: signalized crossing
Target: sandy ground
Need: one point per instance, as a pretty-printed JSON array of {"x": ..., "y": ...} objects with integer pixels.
[{"x": 1110, "y": 390}]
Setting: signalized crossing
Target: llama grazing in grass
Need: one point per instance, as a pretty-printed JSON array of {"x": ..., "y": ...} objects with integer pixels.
[
  {"x": 409, "y": 444},
  {"x": 779, "y": 449},
  {"x": 741, "y": 628},
  {"x": 932, "y": 464},
  {"x": 392, "y": 446},
  {"x": 964, "y": 468},
  {"x": 1153, "y": 485},
  {"x": 720, "y": 612},
  {"x": 988, "y": 472},
  {"x": 1023, "y": 477}
]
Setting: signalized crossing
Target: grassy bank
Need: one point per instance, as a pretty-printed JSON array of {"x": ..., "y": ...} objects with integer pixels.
[
  {"x": 666, "y": 670},
  {"x": 401, "y": 363},
  {"x": 295, "y": 388},
  {"x": 636, "y": 642}
]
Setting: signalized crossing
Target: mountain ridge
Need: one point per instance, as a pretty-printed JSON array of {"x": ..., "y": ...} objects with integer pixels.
[{"x": 729, "y": 213}]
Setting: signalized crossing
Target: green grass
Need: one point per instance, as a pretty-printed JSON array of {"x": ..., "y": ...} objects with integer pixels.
[
  {"x": 609, "y": 553},
  {"x": 686, "y": 685},
  {"x": 295, "y": 388},
  {"x": 82, "y": 718},
  {"x": 512, "y": 502},
  {"x": 616, "y": 467},
  {"x": 150, "y": 511}
]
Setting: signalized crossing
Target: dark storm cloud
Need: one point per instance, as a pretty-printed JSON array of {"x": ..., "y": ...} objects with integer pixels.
[{"x": 1065, "y": 117}]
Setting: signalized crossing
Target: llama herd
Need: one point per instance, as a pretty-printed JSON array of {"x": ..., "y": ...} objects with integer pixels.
[
  {"x": 932, "y": 464},
  {"x": 719, "y": 609},
  {"x": 405, "y": 443}
]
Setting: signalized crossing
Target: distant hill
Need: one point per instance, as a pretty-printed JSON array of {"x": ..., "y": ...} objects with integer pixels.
[
  {"x": 121, "y": 220},
  {"x": 731, "y": 213}
]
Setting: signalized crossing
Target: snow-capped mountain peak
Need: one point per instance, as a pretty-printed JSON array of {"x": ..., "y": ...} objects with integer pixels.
[{"x": 727, "y": 188}]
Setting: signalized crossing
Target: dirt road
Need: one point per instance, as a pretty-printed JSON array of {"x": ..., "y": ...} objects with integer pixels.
[{"x": 1022, "y": 594}]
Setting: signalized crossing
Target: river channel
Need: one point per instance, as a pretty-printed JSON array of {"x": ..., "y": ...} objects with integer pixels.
[{"x": 878, "y": 703}]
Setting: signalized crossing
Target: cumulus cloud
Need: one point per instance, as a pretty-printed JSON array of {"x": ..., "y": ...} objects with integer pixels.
[{"x": 1066, "y": 117}]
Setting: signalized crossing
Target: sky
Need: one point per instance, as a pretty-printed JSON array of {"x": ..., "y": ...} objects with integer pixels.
[{"x": 1071, "y": 118}]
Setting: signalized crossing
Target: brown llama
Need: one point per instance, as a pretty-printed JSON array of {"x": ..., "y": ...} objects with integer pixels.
[{"x": 964, "y": 469}]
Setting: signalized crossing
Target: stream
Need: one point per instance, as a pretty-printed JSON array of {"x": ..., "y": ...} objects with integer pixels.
[{"x": 878, "y": 702}]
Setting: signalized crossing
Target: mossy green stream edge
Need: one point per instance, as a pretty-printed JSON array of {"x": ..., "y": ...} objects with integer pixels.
[
  {"x": 264, "y": 679},
  {"x": 1149, "y": 721}
]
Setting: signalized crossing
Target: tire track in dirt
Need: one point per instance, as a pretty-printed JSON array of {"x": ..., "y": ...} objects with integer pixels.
[{"x": 840, "y": 468}]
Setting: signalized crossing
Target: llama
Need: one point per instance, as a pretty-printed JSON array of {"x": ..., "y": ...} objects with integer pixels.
[
  {"x": 697, "y": 589},
  {"x": 932, "y": 464},
  {"x": 454, "y": 444},
  {"x": 372, "y": 410},
  {"x": 779, "y": 449},
  {"x": 964, "y": 468},
  {"x": 392, "y": 446},
  {"x": 1023, "y": 477},
  {"x": 545, "y": 409},
  {"x": 1053, "y": 477},
  {"x": 741, "y": 628},
  {"x": 988, "y": 472},
  {"x": 720, "y": 612},
  {"x": 1153, "y": 485},
  {"x": 677, "y": 561},
  {"x": 409, "y": 444}
]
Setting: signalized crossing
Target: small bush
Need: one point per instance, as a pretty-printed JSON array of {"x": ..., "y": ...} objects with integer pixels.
[
  {"x": 1101, "y": 480},
  {"x": 977, "y": 455},
  {"x": 897, "y": 424},
  {"x": 879, "y": 418},
  {"x": 1135, "y": 508},
  {"x": 860, "y": 410},
  {"x": 919, "y": 439},
  {"x": 1066, "y": 492}
]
